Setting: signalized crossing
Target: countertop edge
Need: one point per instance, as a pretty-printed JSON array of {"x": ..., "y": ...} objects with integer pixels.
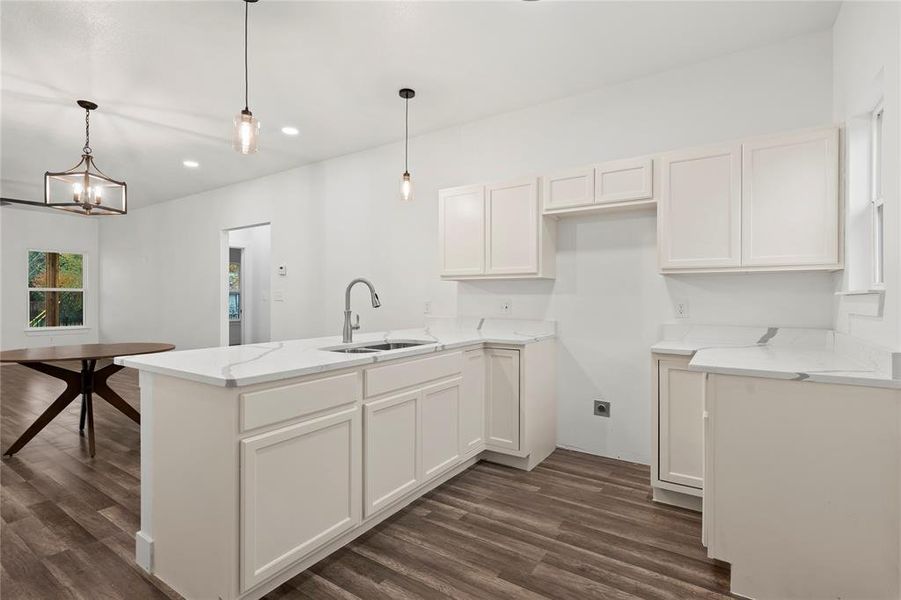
[{"x": 135, "y": 362}]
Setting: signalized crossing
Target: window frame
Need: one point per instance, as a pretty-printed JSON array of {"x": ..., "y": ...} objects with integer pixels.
[
  {"x": 877, "y": 197},
  {"x": 83, "y": 289}
]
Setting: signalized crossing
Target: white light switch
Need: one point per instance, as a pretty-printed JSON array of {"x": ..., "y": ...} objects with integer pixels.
[
  {"x": 278, "y": 296},
  {"x": 681, "y": 307}
]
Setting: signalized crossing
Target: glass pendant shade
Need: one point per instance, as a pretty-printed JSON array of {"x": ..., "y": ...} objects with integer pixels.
[
  {"x": 247, "y": 133},
  {"x": 406, "y": 187}
]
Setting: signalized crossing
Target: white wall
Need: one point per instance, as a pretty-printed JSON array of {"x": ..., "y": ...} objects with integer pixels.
[
  {"x": 257, "y": 274},
  {"x": 867, "y": 51},
  {"x": 341, "y": 218},
  {"x": 23, "y": 229}
]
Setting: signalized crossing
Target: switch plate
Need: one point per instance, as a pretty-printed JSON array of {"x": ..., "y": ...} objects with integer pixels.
[
  {"x": 681, "y": 309},
  {"x": 427, "y": 308},
  {"x": 506, "y": 307},
  {"x": 278, "y": 296},
  {"x": 283, "y": 270},
  {"x": 601, "y": 408}
]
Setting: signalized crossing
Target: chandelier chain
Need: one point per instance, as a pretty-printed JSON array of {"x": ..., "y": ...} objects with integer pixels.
[{"x": 87, "y": 132}]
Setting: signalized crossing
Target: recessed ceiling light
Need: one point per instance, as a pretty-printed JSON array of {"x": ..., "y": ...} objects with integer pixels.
[
  {"x": 191, "y": 164},
  {"x": 290, "y": 130}
]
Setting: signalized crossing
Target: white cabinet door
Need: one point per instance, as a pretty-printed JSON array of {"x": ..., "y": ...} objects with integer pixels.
[
  {"x": 461, "y": 226},
  {"x": 680, "y": 423},
  {"x": 391, "y": 434},
  {"x": 511, "y": 247},
  {"x": 502, "y": 418},
  {"x": 569, "y": 189},
  {"x": 699, "y": 210},
  {"x": 790, "y": 209},
  {"x": 439, "y": 427},
  {"x": 472, "y": 402},
  {"x": 300, "y": 488},
  {"x": 624, "y": 180}
]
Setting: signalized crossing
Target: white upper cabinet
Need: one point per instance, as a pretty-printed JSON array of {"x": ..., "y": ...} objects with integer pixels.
[
  {"x": 495, "y": 231},
  {"x": 767, "y": 203},
  {"x": 512, "y": 226},
  {"x": 624, "y": 180},
  {"x": 569, "y": 189},
  {"x": 790, "y": 211},
  {"x": 461, "y": 221},
  {"x": 699, "y": 212},
  {"x": 617, "y": 183}
]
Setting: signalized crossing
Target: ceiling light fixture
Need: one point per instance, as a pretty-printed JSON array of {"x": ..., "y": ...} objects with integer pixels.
[
  {"x": 84, "y": 188},
  {"x": 290, "y": 130},
  {"x": 406, "y": 184},
  {"x": 191, "y": 164},
  {"x": 247, "y": 127}
]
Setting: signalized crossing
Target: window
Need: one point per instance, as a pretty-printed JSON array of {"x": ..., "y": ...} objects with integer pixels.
[
  {"x": 55, "y": 289},
  {"x": 877, "y": 199}
]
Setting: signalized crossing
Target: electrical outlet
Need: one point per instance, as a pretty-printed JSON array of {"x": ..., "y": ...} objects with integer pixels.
[
  {"x": 681, "y": 308},
  {"x": 601, "y": 408},
  {"x": 427, "y": 308},
  {"x": 506, "y": 307}
]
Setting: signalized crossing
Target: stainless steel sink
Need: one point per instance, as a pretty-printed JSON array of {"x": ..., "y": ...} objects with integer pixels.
[
  {"x": 395, "y": 345},
  {"x": 357, "y": 350},
  {"x": 369, "y": 347}
]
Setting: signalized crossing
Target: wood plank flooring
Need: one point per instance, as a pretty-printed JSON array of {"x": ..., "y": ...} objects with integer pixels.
[{"x": 577, "y": 527}]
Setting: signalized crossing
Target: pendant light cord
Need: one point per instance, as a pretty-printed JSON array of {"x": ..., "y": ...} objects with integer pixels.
[
  {"x": 87, "y": 132},
  {"x": 406, "y": 132},
  {"x": 246, "y": 16}
]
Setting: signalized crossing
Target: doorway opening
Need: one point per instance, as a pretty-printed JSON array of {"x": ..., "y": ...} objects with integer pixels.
[{"x": 246, "y": 281}]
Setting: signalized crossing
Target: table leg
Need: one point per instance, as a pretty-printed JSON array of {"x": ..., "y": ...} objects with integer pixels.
[
  {"x": 102, "y": 389},
  {"x": 87, "y": 388},
  {"x": 73, "y": 389}
]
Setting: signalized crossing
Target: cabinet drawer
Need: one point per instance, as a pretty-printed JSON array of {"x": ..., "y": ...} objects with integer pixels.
[
  {"x": 266, "y": 407},
  {"x": 380, "y": 380}
]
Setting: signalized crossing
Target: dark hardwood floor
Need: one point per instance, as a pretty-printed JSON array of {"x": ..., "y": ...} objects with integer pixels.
[{"x": 576, "y": 527}]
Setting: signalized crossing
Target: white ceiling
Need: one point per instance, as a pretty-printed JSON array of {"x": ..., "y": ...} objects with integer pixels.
[{"x": 168, "y": 75}]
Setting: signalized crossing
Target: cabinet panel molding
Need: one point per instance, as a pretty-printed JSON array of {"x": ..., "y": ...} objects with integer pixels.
[
  {"x": 699, "y": 210},
  {"x": 790, "y": 205},
  {"x": 503, "y": 402},
  {"x": 439, "y": 426},
  {"x": 624, "y": 180},
  {"x": 511, "y": 244},
  {"x": 461, "y": 227},
  {"x": 568, "y": 189},
  {"x": 391, "y": 436},
  {"x": 278, "y": 470}
]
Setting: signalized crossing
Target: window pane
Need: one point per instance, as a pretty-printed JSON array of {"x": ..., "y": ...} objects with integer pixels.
[
  {"x": 55, "y": 309},
  {"x": 55, "y": 270}
]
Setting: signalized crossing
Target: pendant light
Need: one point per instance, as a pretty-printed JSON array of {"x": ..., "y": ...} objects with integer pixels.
[
  {"x": 406, "y": 184},
  {"x": 84, "y": 188},
  {"x": 247, "y": 127}
]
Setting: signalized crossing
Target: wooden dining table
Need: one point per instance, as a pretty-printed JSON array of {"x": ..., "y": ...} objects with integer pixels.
[{"x": 84, "y": 383}]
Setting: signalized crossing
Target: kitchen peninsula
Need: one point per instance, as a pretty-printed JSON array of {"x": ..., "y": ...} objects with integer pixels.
[{"x": 306, "y": 444}]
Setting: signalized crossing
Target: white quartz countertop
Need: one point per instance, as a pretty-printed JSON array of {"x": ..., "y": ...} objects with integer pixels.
[
  {"x": 815, "y": 355},
  {"x": 236, "y": 366}
]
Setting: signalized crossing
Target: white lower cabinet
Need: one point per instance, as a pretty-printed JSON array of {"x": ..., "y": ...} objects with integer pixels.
[
  {"x": 391, "y": 433},
  {"x": 678, "y": 431},
  {"x": 472, "y": 402},
  {"x": 439, "y": 427},
  {"x": 503, "y": 402},
  {"x": 300, "y": 488}
]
